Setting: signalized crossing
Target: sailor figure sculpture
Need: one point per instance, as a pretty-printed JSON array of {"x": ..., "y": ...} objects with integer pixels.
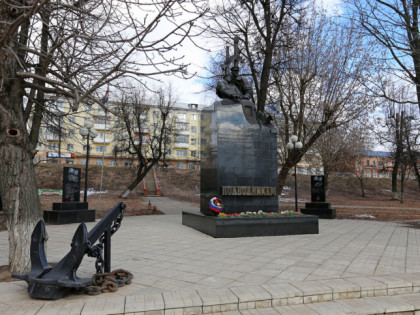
[{"x": 234, "y": 89}]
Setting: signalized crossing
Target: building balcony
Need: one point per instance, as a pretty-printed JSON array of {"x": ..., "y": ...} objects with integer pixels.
[
  {"x": 101, "y": 127},
  {"x": 100, "y": 140},
  {"x": 51, "y": 137},
  {"x": 182, "y": 145},
  {"x": 181, "y": 120},
  {"x": 182, "y": 132}
]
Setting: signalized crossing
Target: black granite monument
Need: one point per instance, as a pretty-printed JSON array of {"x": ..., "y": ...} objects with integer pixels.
[
  {"x": 70, "y": 210},
  {"x": 239, "y": 164},
  {"x": 318, "y": 206}
]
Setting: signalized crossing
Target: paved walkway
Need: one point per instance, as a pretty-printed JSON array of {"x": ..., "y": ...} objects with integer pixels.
[{"x": 182, "y": 271}]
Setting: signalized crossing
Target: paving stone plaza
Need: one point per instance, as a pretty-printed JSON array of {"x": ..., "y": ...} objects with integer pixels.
[{"x": 351, "y": 267}]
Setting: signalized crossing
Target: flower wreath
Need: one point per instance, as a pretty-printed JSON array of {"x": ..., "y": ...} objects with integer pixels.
[{"x": 215, "y": 205}]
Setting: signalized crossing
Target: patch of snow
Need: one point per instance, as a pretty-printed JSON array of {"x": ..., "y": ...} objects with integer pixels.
[
  {"x": 92, "y": 191},
  {"x": 365, "y": 216}
]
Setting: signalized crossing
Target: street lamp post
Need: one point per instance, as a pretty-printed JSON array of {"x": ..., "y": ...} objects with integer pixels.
[
  {"x": 292, "y": 146},
  {"x": 89, "y": 133}
]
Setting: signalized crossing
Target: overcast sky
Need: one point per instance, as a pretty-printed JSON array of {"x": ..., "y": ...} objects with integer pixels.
[{"x": 191, "y": 91}]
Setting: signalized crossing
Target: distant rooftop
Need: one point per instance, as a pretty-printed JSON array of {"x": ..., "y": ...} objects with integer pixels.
[{"x": 378, "y": 153}]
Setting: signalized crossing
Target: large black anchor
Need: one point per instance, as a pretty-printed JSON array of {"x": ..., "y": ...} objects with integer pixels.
[{"x": 46, "y": 282}]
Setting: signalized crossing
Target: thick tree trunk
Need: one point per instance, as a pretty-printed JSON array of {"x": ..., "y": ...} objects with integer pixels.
[
  {"x": 18, "y": 189},
  {"x": 284, "y": 173},
  {"x": 141, "y": 173}
]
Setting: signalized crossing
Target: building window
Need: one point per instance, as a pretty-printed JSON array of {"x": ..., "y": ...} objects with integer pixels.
[
  {"x": 193, "y": 129},
  {"x": 128, "y": 163},
  {"x": 100, "y": 148},
  {"x": 193, "y": 116},
  {"x": 83, "y": 161},
  {"x": 113, "y": 162},
  {"x": 88, "y": 108},
  {"x": 193, "y": 141},
  {"x": 180, "y": 165},
  {"x": 181, "y": 139},
  {"x": 203, "y": 141},
  {"x": 155, "y": 114},
  {"x": 116, "y": 136},
  {"x": 182, "y": 116},
  {"x": 203, "y": 129},
  {"x": 70, "y": 147},
  {"x": 373, "y": 163},
  {"x": 72, "y": 119},
  {"x": 70, "y": 161},
  {"x": 53, "y": 146},
  {"x": 101, "y": 120},
  {"x": 86, "y": 120},
  {"x": 84, "y": 148},
  {"x": 203, "y": 154},
  {"x": 143, "y": 138},
  {"x": 38, "y": 146},
  {"x": 37, "y": 159},
  {"x": 367, "y": 163},
  {"x": 181, "y": 153},
  {"x": 99, "y": 162},
  {"x": 194, "y": 153},
  {"x": 70, "y": 133},
  {"x": 191, "y": 166}
]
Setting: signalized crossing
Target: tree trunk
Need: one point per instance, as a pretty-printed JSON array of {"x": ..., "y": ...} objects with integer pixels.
[
  {"x": 284, "y": 172},
  {"x": 402, "y": 183},
  {"x": 326, "y": 175},
  {"x": 362, "y": 185},
  {"x": 18, "y": 189},
  {"x": 141, "y": 173}
]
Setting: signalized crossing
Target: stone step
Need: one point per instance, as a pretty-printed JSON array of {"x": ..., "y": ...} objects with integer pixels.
[
  {"x": 359, "y": 295},
  {"x": 401, "y": 304}
]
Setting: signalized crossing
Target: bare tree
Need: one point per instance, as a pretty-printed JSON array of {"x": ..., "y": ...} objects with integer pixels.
[
  {"x": 395, "y": 26},
  {"x": 340, "y": 147},
  {"x": 145, "y": 136},
  {"x": 262, "y": 27},
  {"x": 321, "y": 86},
  {"x": 72, "y": 49}
]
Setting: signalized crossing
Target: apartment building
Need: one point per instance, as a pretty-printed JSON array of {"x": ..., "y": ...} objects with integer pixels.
[{"x": 60, "y": 140}]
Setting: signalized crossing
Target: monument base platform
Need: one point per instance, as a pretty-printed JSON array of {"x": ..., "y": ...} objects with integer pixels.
[
  {"x": 245, "y": 227},
  {"x": 322, "y": 210}
]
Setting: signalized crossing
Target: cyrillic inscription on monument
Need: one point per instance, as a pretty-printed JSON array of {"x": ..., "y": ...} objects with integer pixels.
[{"x": 248, "y": 191}]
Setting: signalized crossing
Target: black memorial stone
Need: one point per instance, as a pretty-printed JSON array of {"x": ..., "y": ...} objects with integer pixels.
[
  {"x": 317, "y": 189},
  {"x": 71, "y": 184},
  {"x": 318, "y": 206},
  {"x": 71, "y": 210},
  {"x": 239, "y": 161}
]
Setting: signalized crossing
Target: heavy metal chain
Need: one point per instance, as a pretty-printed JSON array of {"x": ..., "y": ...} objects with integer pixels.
[
  {"x": 97, "y": 250},
  {"x": 108, "y": 282}
]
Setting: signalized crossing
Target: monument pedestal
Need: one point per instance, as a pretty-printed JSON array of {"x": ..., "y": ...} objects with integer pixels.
[
  {"x": 238, "y": 162},
  {"x": 322, "y": 210},
  {"x": 69, "y": 212}
]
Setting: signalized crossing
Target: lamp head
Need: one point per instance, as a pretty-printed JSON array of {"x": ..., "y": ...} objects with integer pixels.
[
  {"x": 84, "y": 131},
  {"x": 88, "y": 124},
  {"x": 294, "y": 138}
]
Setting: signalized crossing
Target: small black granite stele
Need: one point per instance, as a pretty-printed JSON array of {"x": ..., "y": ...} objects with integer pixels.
[
  {"x": 70, "y": 210},
  {"x": 318, "y": 206},
  {"x": 246, "y": 227}
]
